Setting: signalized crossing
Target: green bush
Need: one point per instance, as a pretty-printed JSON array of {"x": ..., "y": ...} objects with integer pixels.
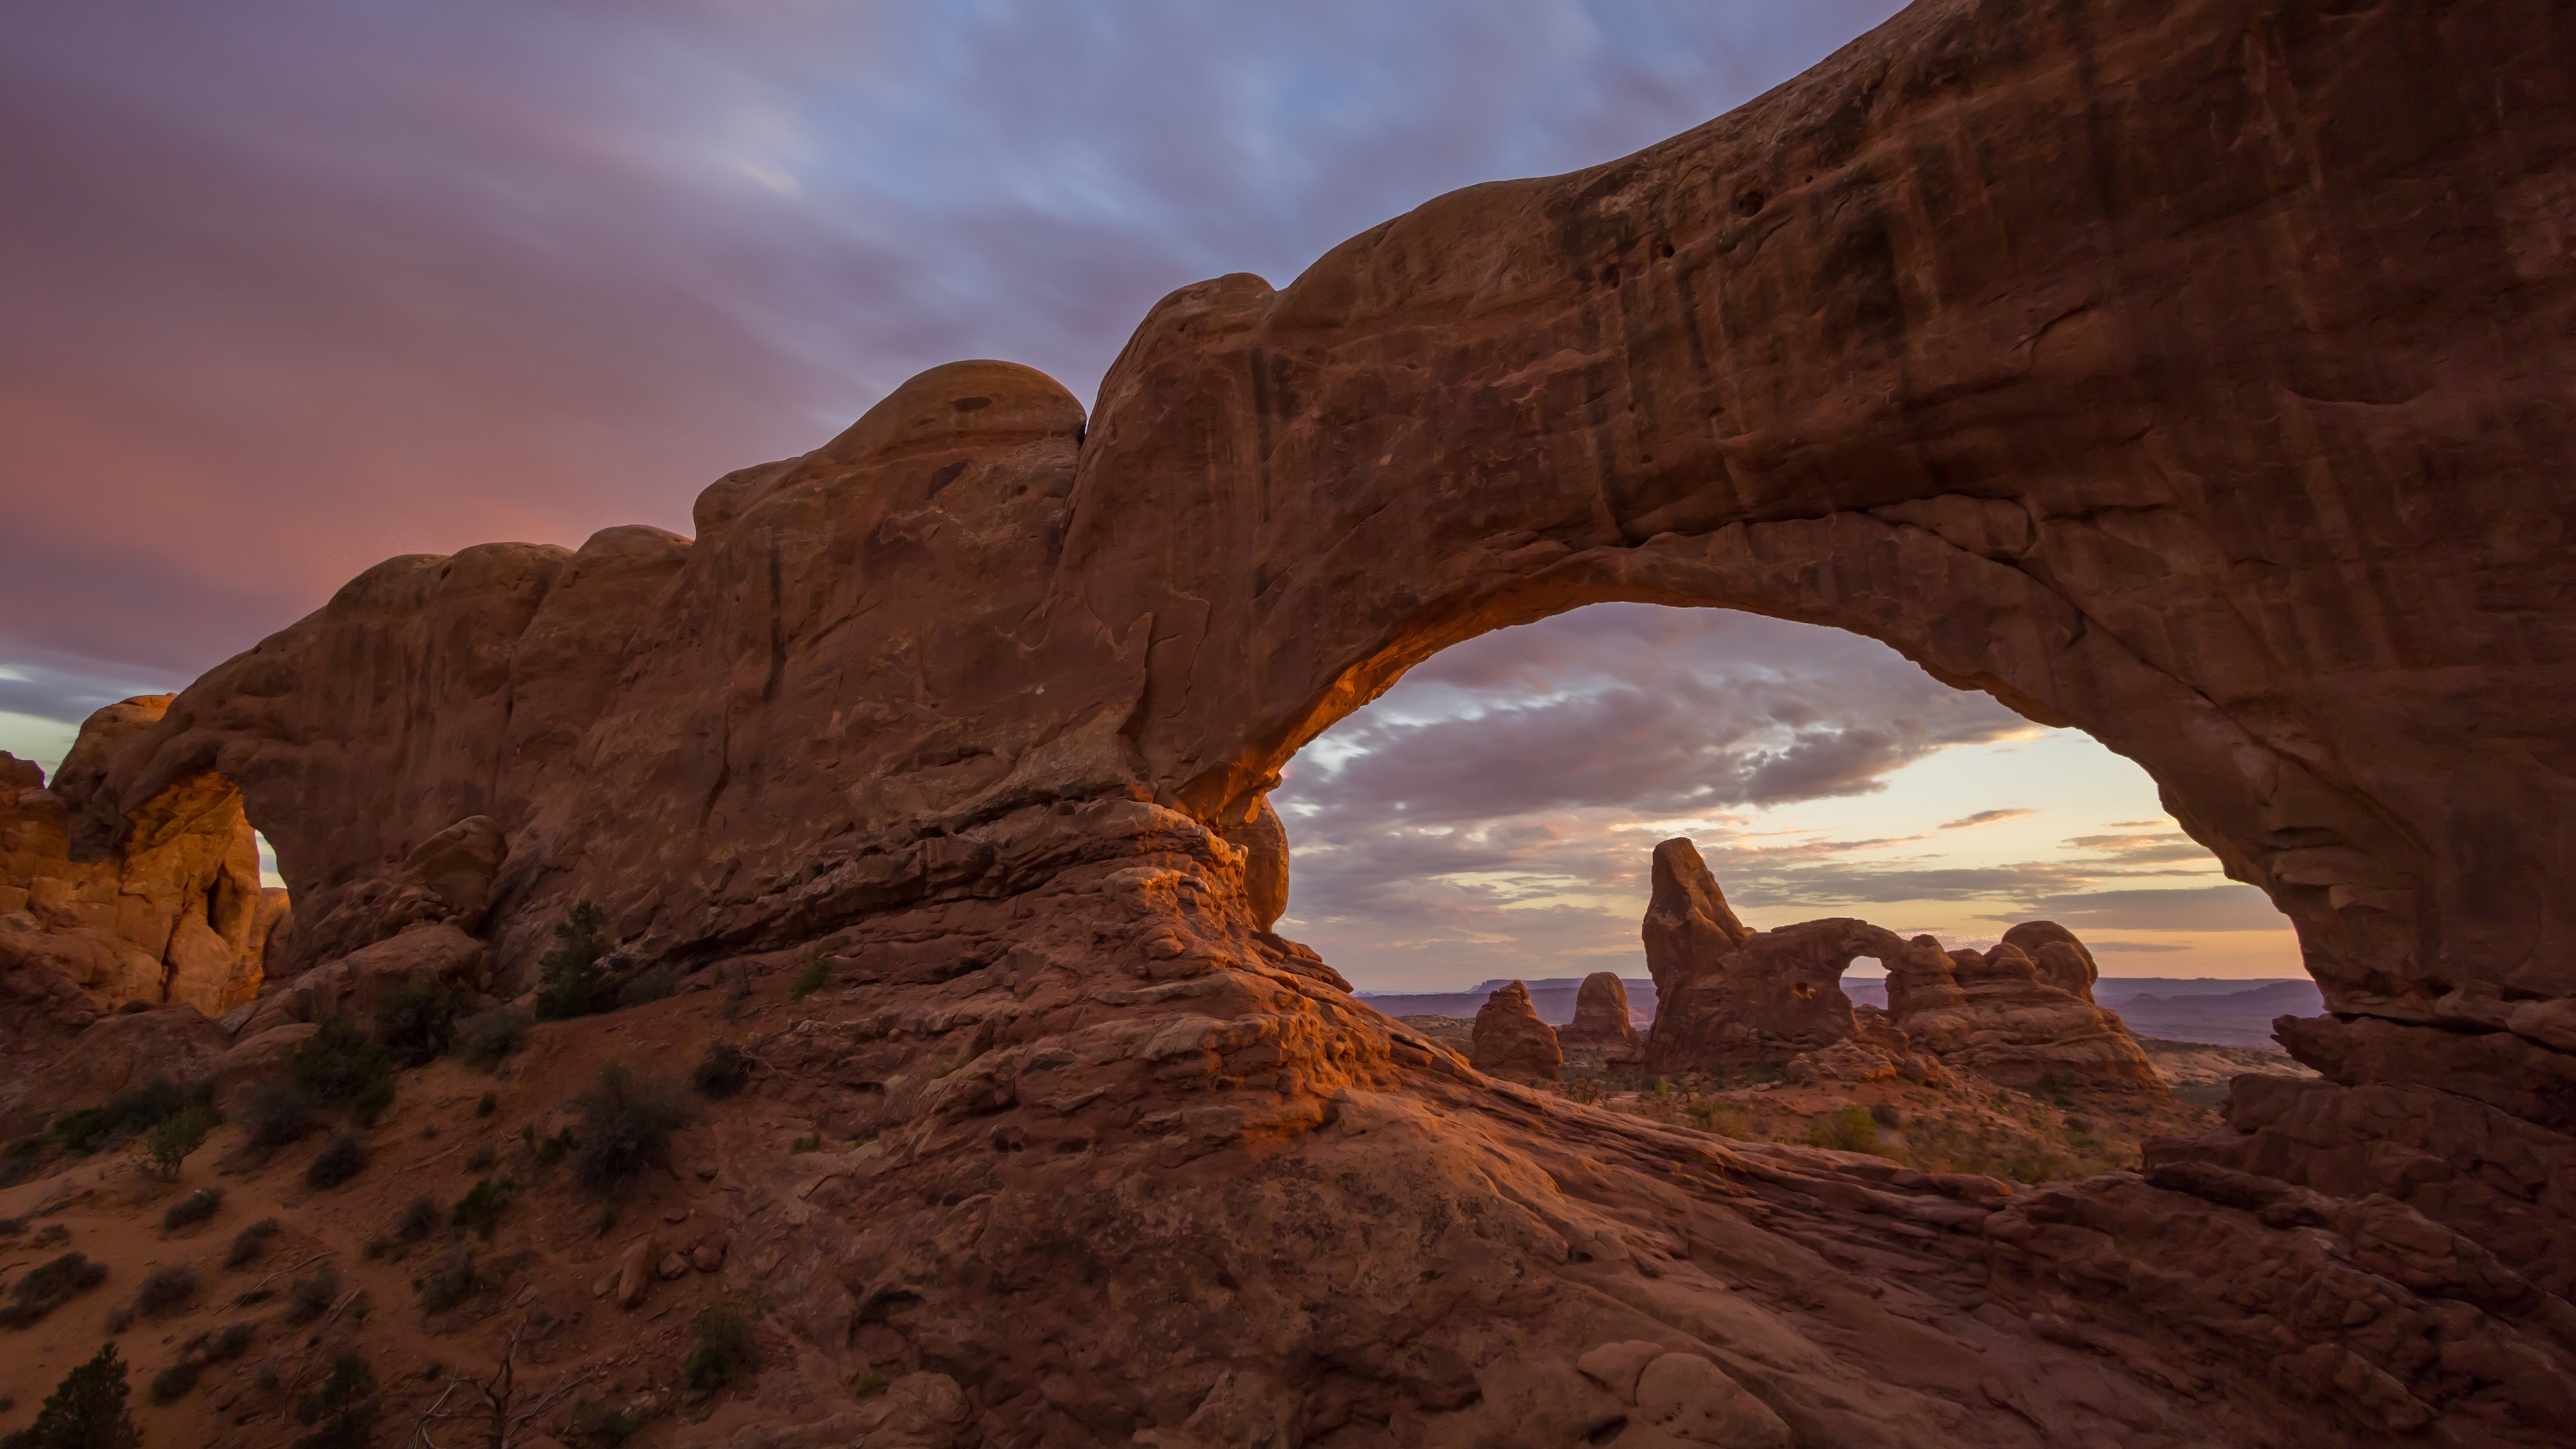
[
  {"x": 1718, "y": 1118},
  {"x": 50, "y": 1286},
  {"x": 1847, "y": 1128},
  {"x": 419, "y": 1220},
  {"x": 372, "y": 1101},
  {"x": 341, "y": 1158},
  {"x": 195, "y": 1208},
  {"x": 138, "y": 1109},
  {"x": 167, "y": 1145},
  {"x": 812, "y": 979},
  {"x": 479, "y": 1211},
  {"x": 416, "y": 1021},
  {"x": 724, "y": 1350},
  {"x": 341, "y": 1411},
  {"x": 723, "y": 1071},
  {"x": 165, "y": 1289},
  {"x": 570, "y": 980},
  {"x": 250, "y": 1243},
  {"x": 483, "y": 1039},
  {"x": 451, "y": 1282},
  {"x": 312, "y": 1295},
  {"x": 278, "y": 1114},
  {"x": 486, "y": 1105},
  {"x": 339, "y": 1061},
  {"x": 87, "y": 1410},
  {"x": 626, "y": 1127},
  {"x": 596, "y": 1426}
]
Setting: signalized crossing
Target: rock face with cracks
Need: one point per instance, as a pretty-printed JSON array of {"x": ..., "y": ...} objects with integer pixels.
[{"x": 2195, "y": 374}]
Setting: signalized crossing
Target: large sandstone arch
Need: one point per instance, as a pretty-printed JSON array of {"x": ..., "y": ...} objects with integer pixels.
[{"x": 2194, "y": 374}]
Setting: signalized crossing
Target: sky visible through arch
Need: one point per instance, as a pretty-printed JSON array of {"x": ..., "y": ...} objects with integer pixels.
[{"x": 1494, "y": 815}]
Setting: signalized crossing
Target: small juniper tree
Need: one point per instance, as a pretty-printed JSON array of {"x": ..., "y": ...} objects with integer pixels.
[
  {"x": 570, "y": 980},
  {"x": 87, "y": 1410}
]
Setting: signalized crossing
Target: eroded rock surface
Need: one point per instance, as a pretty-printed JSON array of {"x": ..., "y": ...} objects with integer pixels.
[
  {"x": 2193, "y": 374},
  {"x": 1511, "y": 1041},
  {"x": 1601, "y": 1016}
]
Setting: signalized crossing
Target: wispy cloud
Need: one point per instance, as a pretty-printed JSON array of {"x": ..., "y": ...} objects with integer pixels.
[{"x": 1987, "y": 817}]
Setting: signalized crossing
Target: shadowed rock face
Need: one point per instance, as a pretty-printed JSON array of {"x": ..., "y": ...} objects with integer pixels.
[{"x": 2192, "y": 373}]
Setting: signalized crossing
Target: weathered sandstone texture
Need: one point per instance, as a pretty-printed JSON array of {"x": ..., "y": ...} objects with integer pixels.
[
  {"x": 2193, "y": 372},
  {"x": 1728, "y": 997},
  {"x": 1510, "y": 1041},
  {"x": 1601, "y": 1016},
  {"x": 171, "y": 910}
]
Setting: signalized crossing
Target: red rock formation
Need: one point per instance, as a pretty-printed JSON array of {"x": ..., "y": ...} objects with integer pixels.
[
  {"x": 2190, "y": 373},
  {"x": 1994, "y": 1015},
  {"x": 1511, "y": 1041},
  {"x": 172, "y": 911},
  {"x": 1601, "y": 1016}
]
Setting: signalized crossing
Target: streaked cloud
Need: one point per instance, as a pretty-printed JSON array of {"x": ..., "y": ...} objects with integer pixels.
[{"x": 1987, "y": 817}]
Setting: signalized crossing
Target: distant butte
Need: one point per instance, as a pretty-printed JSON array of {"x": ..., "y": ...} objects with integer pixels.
[{"x": 2194, "y": 374}]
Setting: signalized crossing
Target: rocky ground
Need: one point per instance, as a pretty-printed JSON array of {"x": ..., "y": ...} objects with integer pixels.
[
  {"x": 1975, "y": 1126},
  {"x": 337, "y": 1277}
]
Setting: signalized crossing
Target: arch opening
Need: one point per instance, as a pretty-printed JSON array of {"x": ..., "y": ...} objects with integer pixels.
[{"x": 1492, "y": 816}]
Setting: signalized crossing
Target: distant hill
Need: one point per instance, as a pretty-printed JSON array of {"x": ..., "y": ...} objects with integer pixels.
[{"x": 2185, "y": 1009}]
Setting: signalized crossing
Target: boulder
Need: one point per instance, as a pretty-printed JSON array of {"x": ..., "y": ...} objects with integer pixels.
[
  {"x": 636, "y": 1269},
  {"x": 256, "y": 1060},
  {"x": 1511, "y": 1041},
  {"x": 1601, "y": 1016},
  {"x": 436, "y": 952}
]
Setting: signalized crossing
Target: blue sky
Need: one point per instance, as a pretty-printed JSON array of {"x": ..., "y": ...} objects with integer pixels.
[{"x": 289, "y": 288}]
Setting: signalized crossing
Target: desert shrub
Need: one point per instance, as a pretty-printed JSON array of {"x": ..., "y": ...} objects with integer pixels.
[
  {"x": 484, "y": 1038},
  {"x": 419, "y": 1219},
  {"x": 230, "y": 1344},
  {"x": 312, "y": 1295},
  {"x": 737, "y": 988},
  {"x": 341, "y": 1410},
  {"x": 339, "y": 1061},
  {"x": 87, "y": 1410},
  {"x": 551, "y": 1150},
  {"x": 454, "y": 1280},
  {"x": 486, "y": 1105},
  {"x": 279, "y": 1113},
  {"x": 137, "y": 1109},
  {"x": 195, "y": 1208},
  {"x": 250, "y": 1243},
  {"x": 653, "y": 983},
  {"x": 341, "y": 1158},
  {"x": 1847, "y": 1128},
  {"x": 479, "y": 1211},
  {"x": 596, "y": 1426},
  {"x": 570, "y": 979},
  {"x": 723, "y": 1351},
  {"x": 49, "y": 1286},
  {"x": 812, "y": 979},
  {"x": 167, "y": 1144},
  {"x": 479, "y": 1159},
  {"x": 416, "y": 1021},
  {"x": 172, "y": 1384},
  {"x": 165, "y": 1290},
  {"x": 1718, "y": 1118},
  {"x": 372, "y": 1101},
  {"x": 1885, "y": 1114},
  {"x": 626, "y": 1127},
  {"x": 722, "y": 1071}
]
